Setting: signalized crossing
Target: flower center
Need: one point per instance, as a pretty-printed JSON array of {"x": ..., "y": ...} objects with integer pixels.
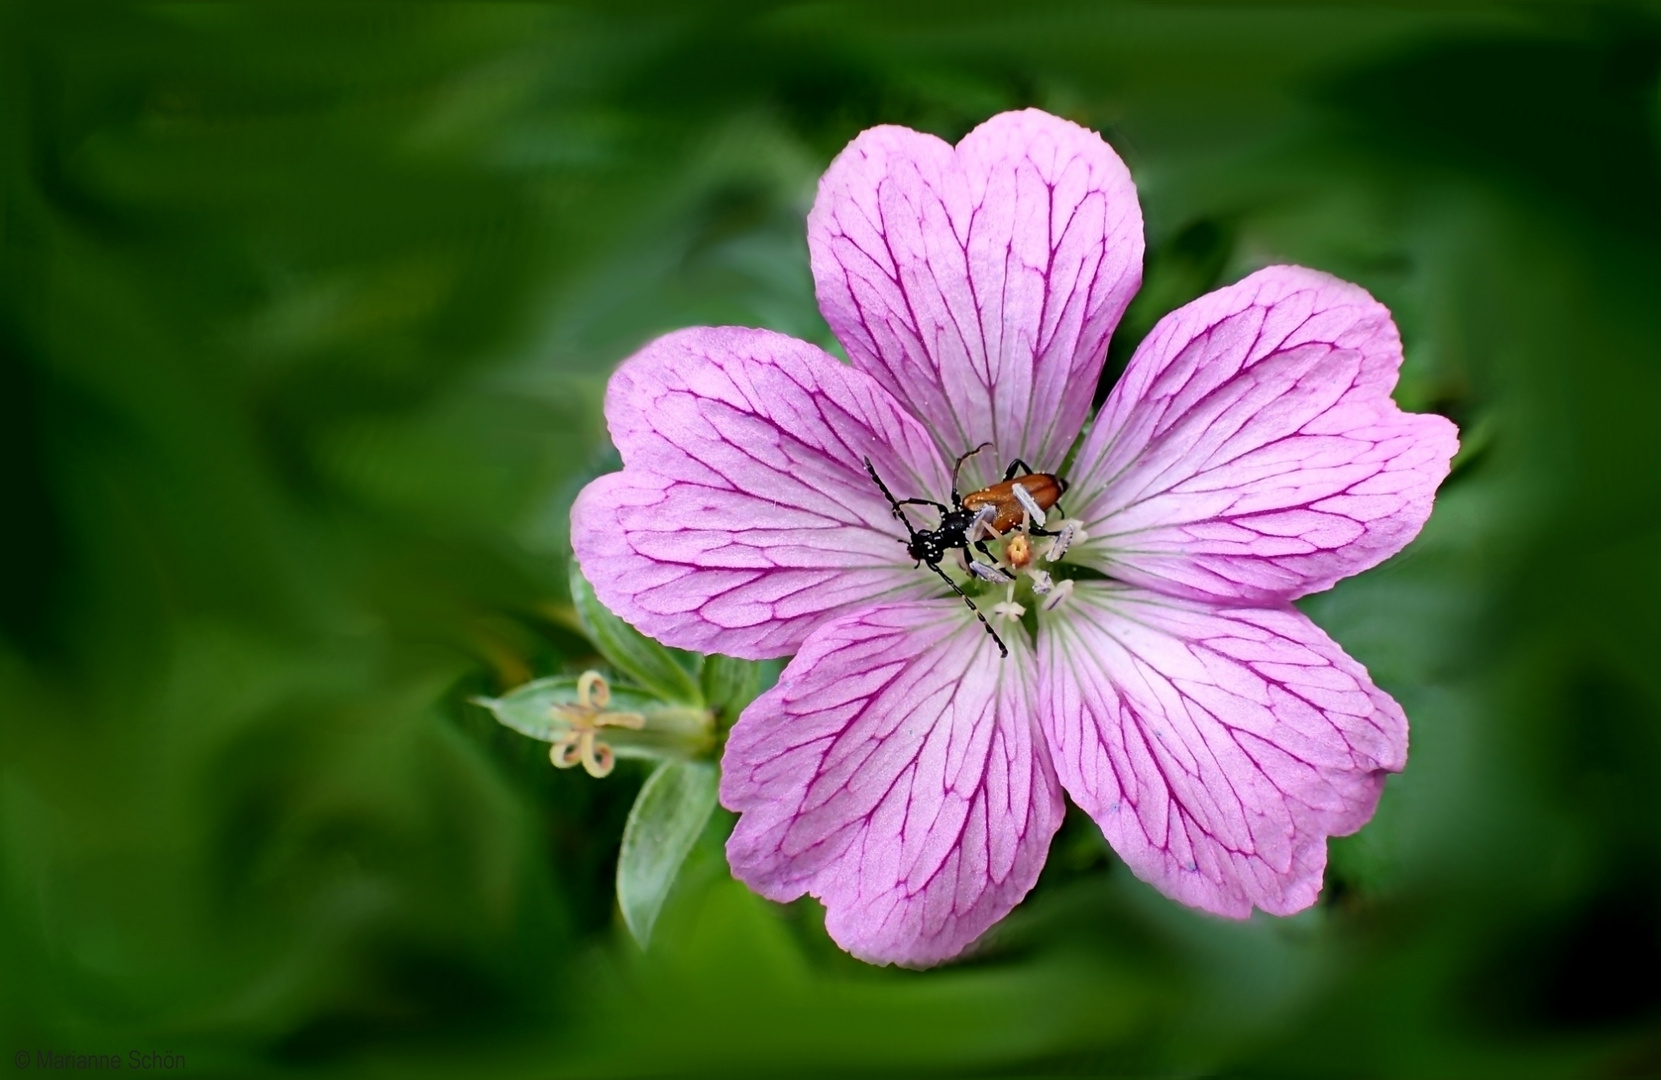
[{"x": 1018, "y": 561}]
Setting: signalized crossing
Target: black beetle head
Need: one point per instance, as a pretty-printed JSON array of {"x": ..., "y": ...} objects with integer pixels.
[{"x": 925, "y": 547}]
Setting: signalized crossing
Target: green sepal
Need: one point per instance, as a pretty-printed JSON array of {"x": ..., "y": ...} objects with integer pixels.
[
  {"x": 729, "y": 684},
  {"x": 672, "y": 731},
  {"x": 671, "y": 674},
  {"x": 670, "y": 812}
]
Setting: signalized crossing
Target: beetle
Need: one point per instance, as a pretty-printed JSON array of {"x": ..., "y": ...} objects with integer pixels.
[
  {"x": 1032, "y": 493},
  {"x": 990, "y": 510}
]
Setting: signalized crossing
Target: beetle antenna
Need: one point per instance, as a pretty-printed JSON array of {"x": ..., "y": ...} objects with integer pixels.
[
  {"x": 1003, "y": 650},
  {"x": 899, "y": 515},
  {"x": 959, "y": 468}
]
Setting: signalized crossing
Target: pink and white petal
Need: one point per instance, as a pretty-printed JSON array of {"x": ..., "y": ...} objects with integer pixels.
[
  {"x": 1217, "y": 748},
  {"x": 980, "y": 284},
  {"x": 897, "y": 773},
  {"x": 744, "y": 517},
  {"x": 1251, "y": 453}
]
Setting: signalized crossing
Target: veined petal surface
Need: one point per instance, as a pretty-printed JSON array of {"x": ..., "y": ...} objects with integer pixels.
[
  {"x": 980, "y": 283},
  {"x": 1216, "y": 748},
  {"x": 743, "y": 517},
  {"x": 1251, "y": 452},
  {"x": 897, "y": 773}
]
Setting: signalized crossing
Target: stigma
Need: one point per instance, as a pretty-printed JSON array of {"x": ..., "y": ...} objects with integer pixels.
[
  {"x": 583, "y": 718},
  {"x": 1020, "y": 555}
]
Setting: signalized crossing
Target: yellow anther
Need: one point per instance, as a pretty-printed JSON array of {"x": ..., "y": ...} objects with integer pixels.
[
  {"x": 583, "y": 719},
  {"x": 1018, "y": 551}
]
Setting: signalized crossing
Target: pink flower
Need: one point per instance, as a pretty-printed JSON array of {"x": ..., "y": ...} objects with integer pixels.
[{"x": 903, "y": 772}]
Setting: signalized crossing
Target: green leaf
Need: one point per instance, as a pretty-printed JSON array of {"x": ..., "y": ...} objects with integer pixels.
[
  {"x": 666, "y": 819},
  {"x": 668, "y": 673}
]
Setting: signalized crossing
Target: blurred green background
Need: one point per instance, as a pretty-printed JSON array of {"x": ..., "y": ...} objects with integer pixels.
[{"x": 305, "y": 313}]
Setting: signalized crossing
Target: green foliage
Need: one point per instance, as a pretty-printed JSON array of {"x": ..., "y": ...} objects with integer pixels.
[
  {"x": 670, "y": 674},
  {"x": 729, "y": 684},
  {"x": 305, "y": 316},
  {"x": 670, "y": 812}
]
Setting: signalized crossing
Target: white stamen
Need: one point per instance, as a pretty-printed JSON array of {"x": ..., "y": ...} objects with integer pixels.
[
  {"x": 988, "y": 572},
  {"x": 1008, "y": 609},
  {"x": 1041, "y": 582},
  {"x": 1024, "y": 497},
  {"x": 1058, "y": 596},
  {"x": 1070, "y": 534}
]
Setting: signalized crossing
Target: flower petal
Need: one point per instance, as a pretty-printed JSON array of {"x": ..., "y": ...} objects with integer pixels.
[
  {"x": 980, "y": 284},
  {"x": 1217, "y": 749},
  {"x": 743, "y": 517},
  {"x": 896, "y": 773},
  {"x": 1251, "y": 453}
]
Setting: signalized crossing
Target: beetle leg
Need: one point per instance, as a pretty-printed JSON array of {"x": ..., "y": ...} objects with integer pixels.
[
  {"x": 1009, "y": 473},
  {"x": 1003, "y": 650}
]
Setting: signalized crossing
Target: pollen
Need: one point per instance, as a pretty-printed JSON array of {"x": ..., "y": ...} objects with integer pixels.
[
  {"x": 580, "y": 745},
  {"x": 1058, "y": 595},
  {"x": 1029, "y": 504},
  {"x": 1018, "y": 551},
  {"x": 1070, "y": 533},
  {"x": 988, "y": 572},
  {"x": 981, "y": 527}
]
